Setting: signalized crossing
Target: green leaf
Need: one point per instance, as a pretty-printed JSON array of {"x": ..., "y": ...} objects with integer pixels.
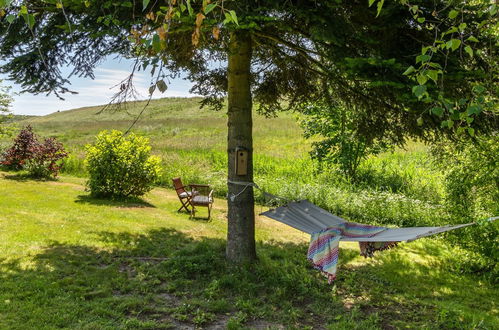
[
  {"x": 419, "y": 90},
  {"x": 152, "y": 88},
  {"x": 409, "y": 70},
  {"x": 421, "y": 20},
  {"x": 420, "y": 121},
  {"x": 471, "y": 131},
  {"x": 469, "y": 50},
  {"x": 30, "y": 20},
  {"x": 380, "y": 6},
  {"x": 438, "y": 111},
  {"x": 189, "y": 8},
  {"x": 371, "y": 2},
  {"x": 145, "y": 3},
  {"x": 472, "y": 39},
  {"x": 432, "y": 74},
  {"x": 453, "y": 44},
  {"x": 422, "y": 79},
  {"x": 209, "y": 8},
  {"x": 474, "y": 109},
  {"x": 10, "y": 18},
  {"x": 156, "y": 43},
  {"x": 462, "y": 26},
  {"x": 227, "y": 19},
  {"x": 451, "y": 30},
  {"x": 453, "y": 14},
  {"x": 162, "y": 86},
  {"x": 422, "y": 58},
  {"x": 456, "y": 115},
  {"x": 493, "y": 10},
  {"x": 479, "y": 89},
  {"x": 434, "y": 65},
  {"x": 233, "y": 16}
]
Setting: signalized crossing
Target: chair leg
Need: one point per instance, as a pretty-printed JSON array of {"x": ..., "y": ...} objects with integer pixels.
[{"x": 184, "y": 206}]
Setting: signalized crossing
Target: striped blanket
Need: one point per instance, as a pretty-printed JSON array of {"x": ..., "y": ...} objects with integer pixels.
[{"x": 323, "y": 249}]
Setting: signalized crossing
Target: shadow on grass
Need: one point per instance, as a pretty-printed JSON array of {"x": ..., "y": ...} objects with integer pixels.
[
  {"x": 200, "y": 218},
  {"x": 166, "y": 279},
  {"x": 24, "y": 177},
  {"x": 131, "y": 202}
]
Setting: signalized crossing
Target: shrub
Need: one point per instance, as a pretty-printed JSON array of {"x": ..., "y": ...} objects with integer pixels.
[
  {"x": 21, "y": 150},
  {"x": 472, "y": 194},
  {"x": 41, "y": 160},
  {"x": 339, "y": 141},
  {"x": 121, "y": 165},
  {"x": 45, "y": 160}
]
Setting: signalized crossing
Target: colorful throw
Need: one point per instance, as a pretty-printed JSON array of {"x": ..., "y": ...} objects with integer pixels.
[{"x": 323, "y": 250}]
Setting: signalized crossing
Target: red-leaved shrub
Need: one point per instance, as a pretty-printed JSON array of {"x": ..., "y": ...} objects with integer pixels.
[
  {"x": 45, "y": 157},
  {"x": 21, "y": 150},
  {"x": 40, "y": 159}
]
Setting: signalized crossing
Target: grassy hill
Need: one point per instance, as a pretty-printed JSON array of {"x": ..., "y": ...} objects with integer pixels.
[
  {"x": 191, "y": 141},
  {"x": 172, "y": 123}
]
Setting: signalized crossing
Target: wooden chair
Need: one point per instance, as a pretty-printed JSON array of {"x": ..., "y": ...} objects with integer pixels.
[
  {"x": 202, "y": 195},
  {"x": 183, "y": 195}
]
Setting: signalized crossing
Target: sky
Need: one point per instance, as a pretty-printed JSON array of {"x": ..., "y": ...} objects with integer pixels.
[{"x": 92, "y": 92}]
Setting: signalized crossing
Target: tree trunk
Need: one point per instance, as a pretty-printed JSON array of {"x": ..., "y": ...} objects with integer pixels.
[{"x": 241, "y": 213}]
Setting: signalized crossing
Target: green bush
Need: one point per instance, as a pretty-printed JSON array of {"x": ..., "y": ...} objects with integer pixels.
[
  {"x": 472, "y": 194},
  {"x": 121, "y": 165}
]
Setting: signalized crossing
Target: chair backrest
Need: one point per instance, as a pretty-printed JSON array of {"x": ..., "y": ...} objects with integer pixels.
[{"x": 177, "y": 184}]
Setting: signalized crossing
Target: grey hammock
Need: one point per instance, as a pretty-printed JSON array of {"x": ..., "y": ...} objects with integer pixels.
[{"x": 310, "y": 218}]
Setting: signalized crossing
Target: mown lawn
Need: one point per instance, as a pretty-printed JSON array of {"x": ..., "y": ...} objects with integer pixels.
[{"x": 71, "y": 261}]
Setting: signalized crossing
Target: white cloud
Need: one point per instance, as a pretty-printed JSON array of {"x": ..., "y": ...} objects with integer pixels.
[{"x": 93, "y": 92}]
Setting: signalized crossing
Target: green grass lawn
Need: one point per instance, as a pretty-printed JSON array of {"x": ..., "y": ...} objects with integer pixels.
[{"x": 71, "y": 261}]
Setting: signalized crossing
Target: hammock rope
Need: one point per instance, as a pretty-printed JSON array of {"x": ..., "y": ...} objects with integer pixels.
[{"x": 268, "y": 197}]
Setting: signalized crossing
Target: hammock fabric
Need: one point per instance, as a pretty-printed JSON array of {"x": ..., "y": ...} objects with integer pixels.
[
  {"x": 310, "y": 218},
  {"x": 323, "y": 250},
  {"x": 327, "y": 230}
]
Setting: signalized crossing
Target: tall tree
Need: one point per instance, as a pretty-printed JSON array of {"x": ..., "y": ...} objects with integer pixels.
[
  {"x": 5, "y": 103},
  {"x": 276, "y": 54}
]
